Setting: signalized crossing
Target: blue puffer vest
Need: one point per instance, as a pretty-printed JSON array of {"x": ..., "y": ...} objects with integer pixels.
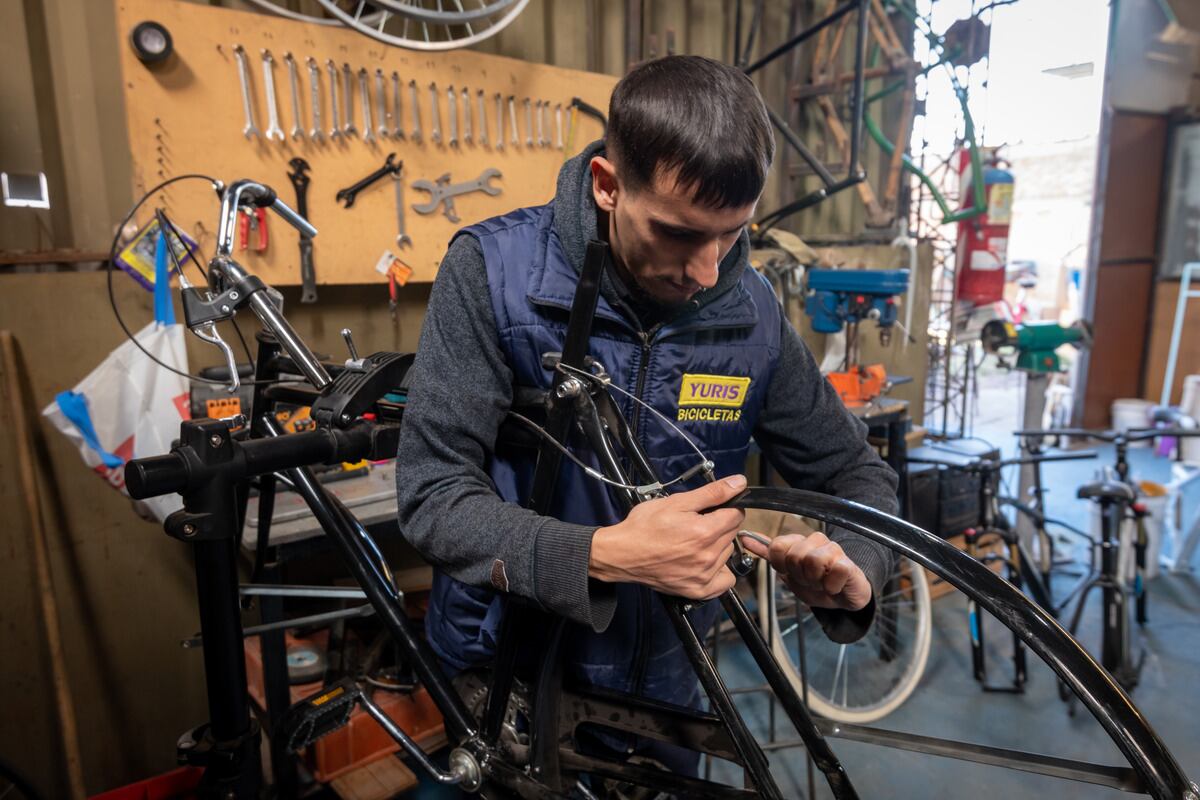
[{"x": 708, "y": 370}]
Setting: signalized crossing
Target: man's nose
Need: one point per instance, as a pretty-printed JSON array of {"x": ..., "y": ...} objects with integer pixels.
[{"x": 703, "y": 264}]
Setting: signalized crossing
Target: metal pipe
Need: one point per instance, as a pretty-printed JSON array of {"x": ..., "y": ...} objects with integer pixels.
[{"x": 807, "y": 33}]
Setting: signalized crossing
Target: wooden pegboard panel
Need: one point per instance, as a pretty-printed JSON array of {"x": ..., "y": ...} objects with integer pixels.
[{"x": 186, "y": 116}]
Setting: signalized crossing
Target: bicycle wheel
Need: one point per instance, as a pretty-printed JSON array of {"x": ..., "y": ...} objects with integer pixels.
[{"x": 859, "y": 682}]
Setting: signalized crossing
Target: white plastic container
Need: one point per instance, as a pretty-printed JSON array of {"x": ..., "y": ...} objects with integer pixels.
[
  {"x": 1189, "y": 404},
  {"x": 1131, "y": 412}
]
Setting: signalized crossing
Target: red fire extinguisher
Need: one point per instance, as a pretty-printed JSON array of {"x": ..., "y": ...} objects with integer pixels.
[{"x": 982, "y": 251}]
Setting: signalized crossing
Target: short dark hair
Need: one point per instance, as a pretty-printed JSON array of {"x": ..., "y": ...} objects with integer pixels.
[{"x": 698, "y": 118}]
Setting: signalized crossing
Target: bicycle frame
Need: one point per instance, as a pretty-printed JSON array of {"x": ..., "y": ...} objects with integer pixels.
[{"x": 210, "y": 468}]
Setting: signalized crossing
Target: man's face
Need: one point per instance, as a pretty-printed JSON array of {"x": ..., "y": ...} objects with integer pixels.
[{"x": 669, "y": 244}]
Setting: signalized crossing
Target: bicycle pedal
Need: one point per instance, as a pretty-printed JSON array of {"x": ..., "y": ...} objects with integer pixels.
[{"x": 319, "y": 714}]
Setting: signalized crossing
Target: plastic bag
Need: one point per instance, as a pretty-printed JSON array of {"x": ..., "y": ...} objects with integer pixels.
[{"x": 129, "y": 406}]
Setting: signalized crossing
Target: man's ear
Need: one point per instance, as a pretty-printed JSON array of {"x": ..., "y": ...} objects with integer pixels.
[{"x": 604, "y": 183}]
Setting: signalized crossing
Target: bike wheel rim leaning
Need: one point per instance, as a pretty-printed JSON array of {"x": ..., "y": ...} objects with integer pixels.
[
  {"x": 914, "y": 635},
  {"x": 1145, "y": 751}
]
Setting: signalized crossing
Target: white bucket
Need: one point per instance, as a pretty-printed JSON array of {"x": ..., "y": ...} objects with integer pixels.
[{"x": 1131, "y": 412}]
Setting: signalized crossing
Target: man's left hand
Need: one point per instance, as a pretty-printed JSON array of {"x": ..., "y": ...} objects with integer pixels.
[{"x": 816, "y": 569}]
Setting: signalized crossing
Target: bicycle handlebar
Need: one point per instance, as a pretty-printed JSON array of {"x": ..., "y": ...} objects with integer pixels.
[
  {"x": 987, "y": 463},
  {"x": 1130, "y": 435}
]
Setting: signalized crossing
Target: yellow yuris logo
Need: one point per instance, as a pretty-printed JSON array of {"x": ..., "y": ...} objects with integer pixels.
[{"x": 717, "y": 393}]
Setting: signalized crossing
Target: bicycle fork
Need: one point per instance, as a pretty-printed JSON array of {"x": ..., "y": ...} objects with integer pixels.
[{"x": 975, "y": 621}]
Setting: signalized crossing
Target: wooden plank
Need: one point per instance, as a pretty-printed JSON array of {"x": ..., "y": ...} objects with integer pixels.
[
  {"x": 187, "y": 117},
  {"x": 379, "y": 780}
]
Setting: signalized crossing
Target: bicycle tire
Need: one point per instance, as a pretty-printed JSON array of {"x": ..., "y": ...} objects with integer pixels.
[
  {"x": 866, "y": 651},
  {"x": 1152, "y": 762}
]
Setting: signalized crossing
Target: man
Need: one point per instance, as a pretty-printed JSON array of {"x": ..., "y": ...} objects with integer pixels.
[{"x": 684, "y": 324}]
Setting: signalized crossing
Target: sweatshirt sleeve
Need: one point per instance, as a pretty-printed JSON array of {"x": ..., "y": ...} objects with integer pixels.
[
  {"x": 815, "y": 443},
  {"x": 460, "y": 391}
]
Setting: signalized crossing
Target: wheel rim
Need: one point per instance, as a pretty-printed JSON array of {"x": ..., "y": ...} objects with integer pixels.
[{"x": 865, "y": 680}]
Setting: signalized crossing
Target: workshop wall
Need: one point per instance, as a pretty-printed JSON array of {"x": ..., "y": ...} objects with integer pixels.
[{"x": 125, "y": 591}]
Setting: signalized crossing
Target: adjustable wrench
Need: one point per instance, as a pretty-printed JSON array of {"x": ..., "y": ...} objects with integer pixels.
[
  {"x": 294, "y": 80},
  {"x": 414, "y": 108},
  {"x": 443, "y": 192},
  {"x": 348, "y": 101},
  {"x": 273, "y": 130},
  {"x": 397, "y": 128},
  {"x": 452, "y": 110},
  {"x": 436, "y": 135},
  {"x": 499, "y": 122},
  {"x": 336, "y": 131},
  {"x": 381, "y": 99},
  {"x": 529, "y": 124},
  {"x": 314, "y": 83},
  {"x": 308, "y": 276},
  {"x": 346, "y": 196},
  {"x": 364, "y": 92},
  {"x": 483, "y": 137},
  {"x": 466, "y": 102},
  {"x": 250, "y": 130},
  {"x": 402, "y": 238}
]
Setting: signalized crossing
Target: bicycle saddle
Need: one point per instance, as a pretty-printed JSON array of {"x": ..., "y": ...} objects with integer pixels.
[{"x": 1106, "y": 491}]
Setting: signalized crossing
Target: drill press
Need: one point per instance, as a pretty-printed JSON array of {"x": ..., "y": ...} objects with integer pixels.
[{"x": 838, "y": 299}]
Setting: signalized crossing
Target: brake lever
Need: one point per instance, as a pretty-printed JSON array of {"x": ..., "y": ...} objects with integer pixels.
[{"x": 207, "y": 331}]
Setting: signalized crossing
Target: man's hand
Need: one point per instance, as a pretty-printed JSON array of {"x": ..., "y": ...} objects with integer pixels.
[
  {"x": 673, "y": 544},
  {"x": 816, "y": 569}
]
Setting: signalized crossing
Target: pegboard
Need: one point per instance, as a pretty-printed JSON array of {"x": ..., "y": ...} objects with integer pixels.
[{"x": 186, "y": 115}]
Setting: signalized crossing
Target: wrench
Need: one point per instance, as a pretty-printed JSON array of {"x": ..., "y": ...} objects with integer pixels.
[
  {"x": 529, "y": 124},
  {"x": 314, "y": 81},
  {"x": 414, "y": 108},
  {"x": 499, "y": 122},
  {"x": 251, "y": 130},
  {"x": 336, "y": 131},
  {"x": 436, "y": 136},
  {"x": 347, "y": 195},
  {"x": 397, "y": 128},
  {"x": 546, "y": 114},
  {"x": 381, "y": 98},
  {"x": 452, "y": 110},
  {"x": 443, "y": 192},
  {"x": 402, "y": 238},
  {"x": 308, "y": 276},
  {"x": 558, "y": 142},
  {"x": 512, "y": 118},
  {"x": 541, "y": 140},
  {"x": 466, "y": 102},
  {"x": 273, "y": 130},
  {"x": 294, "y": 80},
  {"x": 364, "y": 92},
  {"x": 483, "y": 137},
  {"x": 348, "y": 101}
]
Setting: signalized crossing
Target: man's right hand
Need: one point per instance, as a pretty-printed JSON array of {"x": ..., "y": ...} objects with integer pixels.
[{"x": 673, "y": 544}]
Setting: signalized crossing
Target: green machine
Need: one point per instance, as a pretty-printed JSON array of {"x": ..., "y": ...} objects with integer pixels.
[{"x": 1034, "y": 343}]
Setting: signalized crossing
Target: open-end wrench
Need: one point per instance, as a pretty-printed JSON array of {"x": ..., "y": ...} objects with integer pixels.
[
  {"x": 546, "y": 114},
  {"x": 250, "y": 130},
  {"x": 273, "y": 130},
  {"x": 294, "y": 80},
  {"x": 499, "y": 122},
  {"x": 402, "y": 238},
  {"x": 436, "y": 135},
  {"x": 348, "y": 100},
  {"x": 335, "y": 132},
  {"x": 443, "y": 192},
  {"x": 466, "y": 105},
  {"x": 541, "y": 140},
  {"x": 364, "y": 93},
  {"x": 528, "y": 124},
  {"x": 397, "y": 128},
  {"x": 483, "y": 137},
  {"x": 308, "y": 276},
  {"x": 558, "y": 140},
  {"x": 452, "y": 110},
  {"x": 512, "y": 118},
  {"x": 314, "y": 84},
  {"x": 414, "y": 108},
  {"x": 347, "y": 196},
  {"x": 381, "y": 100}
]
